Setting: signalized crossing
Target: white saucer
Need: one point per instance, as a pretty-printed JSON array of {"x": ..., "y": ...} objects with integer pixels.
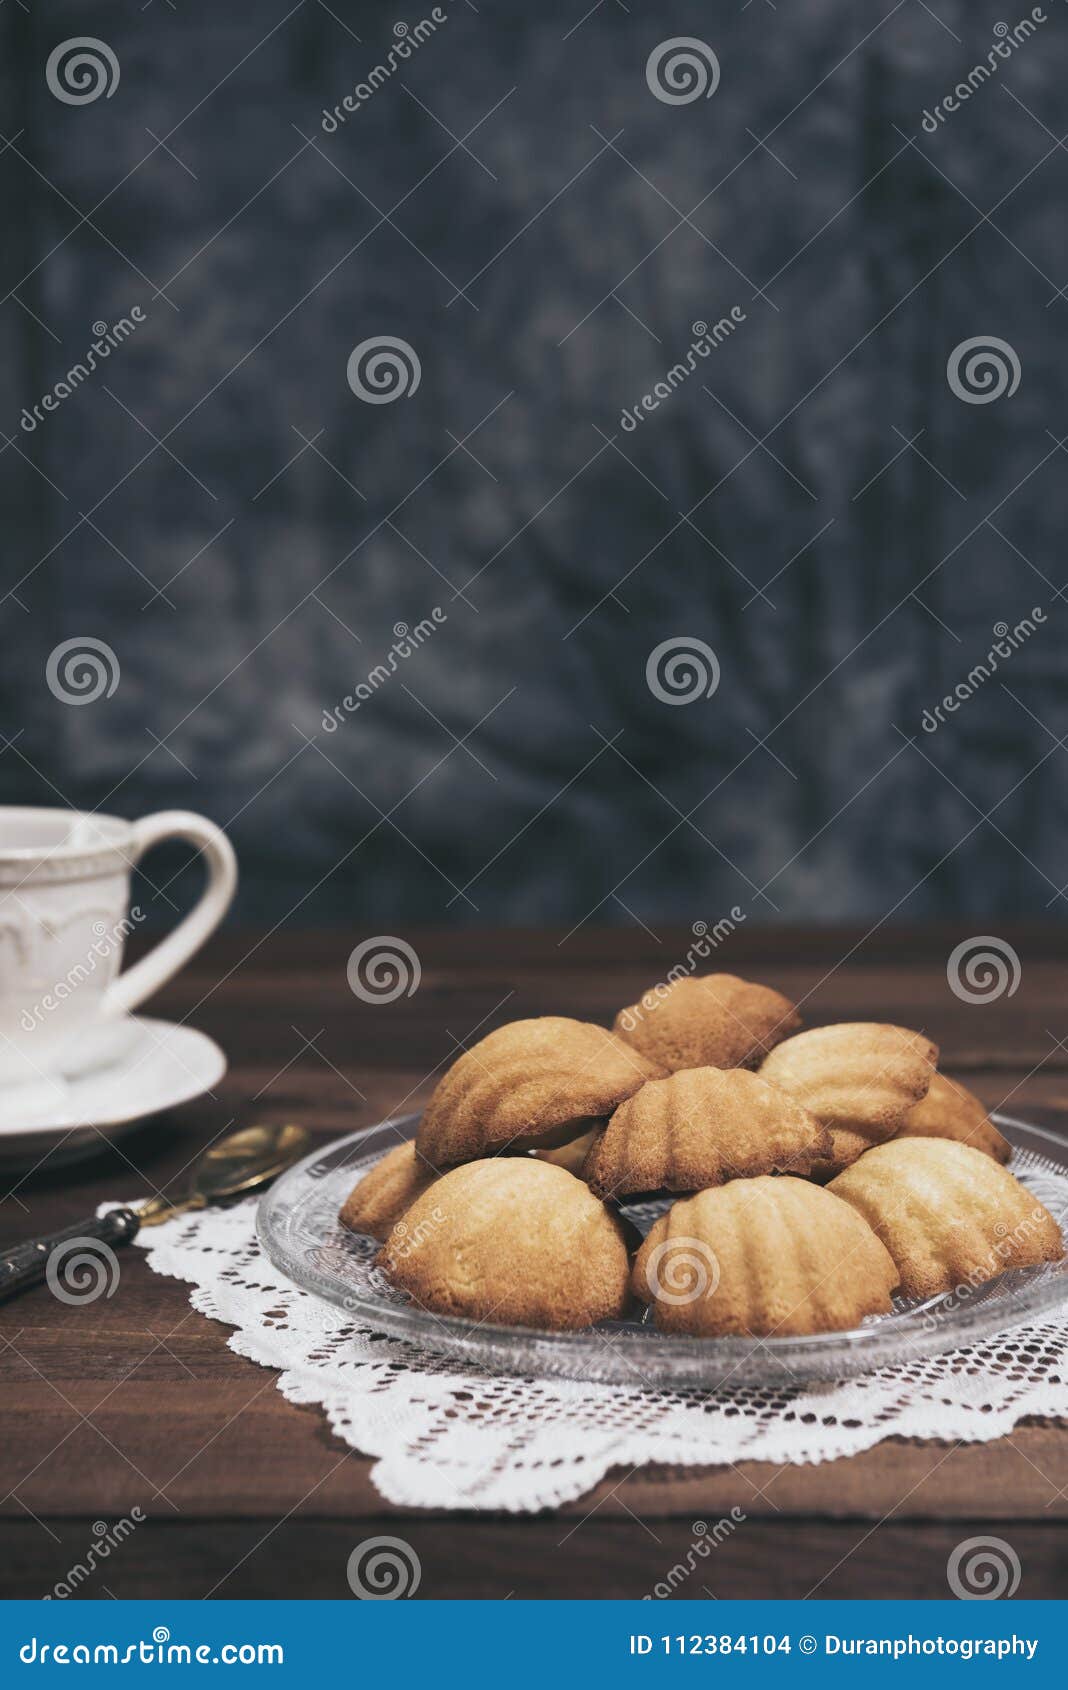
[{"x": 154, "y": 1065}]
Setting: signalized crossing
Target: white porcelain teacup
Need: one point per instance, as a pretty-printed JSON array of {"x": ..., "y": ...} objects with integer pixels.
[{"x": 64, "y": 918}]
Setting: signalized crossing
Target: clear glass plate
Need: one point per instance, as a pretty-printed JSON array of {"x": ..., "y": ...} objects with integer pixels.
[{"x": 298, "y": 1228}]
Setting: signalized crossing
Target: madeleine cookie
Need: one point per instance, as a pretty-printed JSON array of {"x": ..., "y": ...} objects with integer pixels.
[
  {"x": 764, "y": 1258},
  {"x": 860, "y": 1078},
  {"x": 530, "y": 1084},
  {"x": 513, "y": 1241},
  {"x": 950, "y": 1110},
  {"x": 712, "y": 1020},
  {"x": 701, "y": 1127},
  {"x": 948, "y": 1214},
  {"x": 385, "y": 1191},
  {"x": 572, "y": 1155}
]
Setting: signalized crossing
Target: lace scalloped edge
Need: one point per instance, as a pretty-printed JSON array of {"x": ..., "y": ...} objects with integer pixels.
[{"x": 407, "y": 1473}]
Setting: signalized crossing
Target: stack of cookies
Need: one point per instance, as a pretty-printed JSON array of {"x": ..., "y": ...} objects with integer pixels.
[{"x": 816, "y": 1173}]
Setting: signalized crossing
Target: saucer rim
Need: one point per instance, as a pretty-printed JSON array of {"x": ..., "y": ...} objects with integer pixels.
[{"x": 196, "y": 1087}]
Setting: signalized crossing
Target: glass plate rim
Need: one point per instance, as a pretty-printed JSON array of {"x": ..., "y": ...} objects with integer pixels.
[{"x": 677, "y": 1360}]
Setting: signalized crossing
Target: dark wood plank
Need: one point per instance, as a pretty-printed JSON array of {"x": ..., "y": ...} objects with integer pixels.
[
  {"x": 137, "y": 1400},
  {"x": 118, "y": 1419},
  {"x": 611, "y": 1559}
]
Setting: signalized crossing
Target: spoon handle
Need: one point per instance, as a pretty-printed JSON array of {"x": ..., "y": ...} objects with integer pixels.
[
  {"x": 160, "y": 1209},
  {"x": 78, "y": 1261}
]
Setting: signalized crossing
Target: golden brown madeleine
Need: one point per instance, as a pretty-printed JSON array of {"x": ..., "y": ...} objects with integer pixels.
[
  {"x": 529, "y": 1084},
  {"x": 701, "y": 1127},
  {"x": 950, "y": 1110},
  {"x": 765, "y": 1257},
  {"x": 514, "y": 1241},
  {"x": 382, "y": 1194},
  {"x": 711, "y": 1020},
  {"x": 860, "y": 1078},
  {"x": 572, "y": 1155},
  {"x": 949, "y": 1215}
]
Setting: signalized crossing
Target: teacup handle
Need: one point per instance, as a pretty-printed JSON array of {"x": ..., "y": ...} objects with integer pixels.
[{"x": 171, "y": 954}]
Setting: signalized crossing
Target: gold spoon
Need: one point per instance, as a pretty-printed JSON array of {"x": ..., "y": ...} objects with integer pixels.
[
  {"x": 240, "y": 1162},
  {"x": 79, "y": 1257}
]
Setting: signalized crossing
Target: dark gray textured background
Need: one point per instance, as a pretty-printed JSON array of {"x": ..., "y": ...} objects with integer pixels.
[{"x": 582, "y": 282}]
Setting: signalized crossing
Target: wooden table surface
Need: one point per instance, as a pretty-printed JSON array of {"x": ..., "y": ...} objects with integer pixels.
[{"x": 136, "y": 1400}]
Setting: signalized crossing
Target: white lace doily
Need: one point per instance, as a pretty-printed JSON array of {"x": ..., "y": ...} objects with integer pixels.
[{"x": 444, "y": 1437}]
